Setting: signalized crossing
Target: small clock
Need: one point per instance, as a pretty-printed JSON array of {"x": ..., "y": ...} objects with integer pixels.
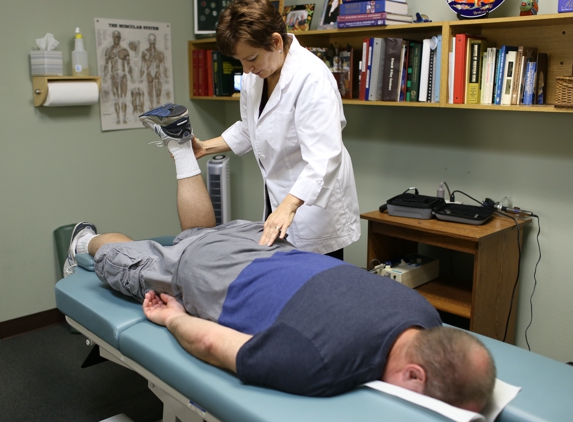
[{"x": 470, "y": 9}]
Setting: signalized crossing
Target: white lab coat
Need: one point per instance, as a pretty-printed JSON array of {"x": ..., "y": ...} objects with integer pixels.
[{"x": 297, "y": 142}]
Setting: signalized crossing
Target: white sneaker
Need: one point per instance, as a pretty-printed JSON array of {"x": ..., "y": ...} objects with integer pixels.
[
  {"x": 79, "y": 231},
  {"x": 170, "y": 122}
]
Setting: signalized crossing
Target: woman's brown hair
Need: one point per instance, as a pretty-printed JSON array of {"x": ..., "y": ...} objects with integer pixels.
[{"x": 250, "y": 21}]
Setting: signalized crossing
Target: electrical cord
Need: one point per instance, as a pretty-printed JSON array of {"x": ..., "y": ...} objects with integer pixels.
[
  {"x": 503, "y": 211},
  {"x": 534, "y": 282}
]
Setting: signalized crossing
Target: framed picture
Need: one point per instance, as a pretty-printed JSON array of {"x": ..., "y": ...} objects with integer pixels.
[
  {"x": 206, "y": 14},
  {"x": 329, "y": 18},
  {"x": 299, "y": 17}
]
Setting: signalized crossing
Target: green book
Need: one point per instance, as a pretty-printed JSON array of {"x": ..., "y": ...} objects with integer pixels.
[
  {"x": 414, "y": 67},
  {"x": 224, "y": 68}
]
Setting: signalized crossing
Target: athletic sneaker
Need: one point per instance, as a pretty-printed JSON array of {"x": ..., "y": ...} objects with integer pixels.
[
  {"x": 79, "y": 231},
  {"x": 170, "y": 122}
]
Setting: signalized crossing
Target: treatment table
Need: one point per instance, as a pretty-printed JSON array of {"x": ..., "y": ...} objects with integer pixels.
[{"x": 192, "y": 390}]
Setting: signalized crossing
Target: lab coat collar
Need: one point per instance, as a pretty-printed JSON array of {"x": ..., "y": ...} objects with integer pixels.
[{"x": 287, "y": 73}]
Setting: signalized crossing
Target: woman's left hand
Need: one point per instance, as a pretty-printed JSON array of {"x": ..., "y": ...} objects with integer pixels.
[{"x": 280, "y": 220}]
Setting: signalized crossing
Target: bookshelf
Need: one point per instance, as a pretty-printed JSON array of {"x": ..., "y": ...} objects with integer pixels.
[{"x": 551, "y": 33}]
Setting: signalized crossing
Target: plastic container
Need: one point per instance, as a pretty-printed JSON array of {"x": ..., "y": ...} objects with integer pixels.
[{"x": 80, "y": 57}]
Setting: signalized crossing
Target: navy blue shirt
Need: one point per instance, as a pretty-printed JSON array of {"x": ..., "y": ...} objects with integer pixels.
[{"x": 334, "y": 334}]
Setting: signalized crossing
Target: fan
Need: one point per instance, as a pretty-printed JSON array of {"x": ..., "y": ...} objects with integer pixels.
[{"x": 471, "y": 9}]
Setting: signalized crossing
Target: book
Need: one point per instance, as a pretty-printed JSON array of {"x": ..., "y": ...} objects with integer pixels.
[
  {"x": 403, "y": 70},
  {"x": 224, "y": 68},
  {"x": 523, "y": 54},
  {"x": 368, "y": 78},
  {"x": 366, "y": 23},
  {"x": 529, "y": 82},
  {"x": 460, "y": 57},
  {"x": 474, "y": 71},
  {"x": 202, "y": 78},
  {"x": 541, "y": 78},
  {"x": 431, "y": 65},
  {"x": 500, "y": 72},
  {"x": 529, "y": 54},
  {"x": 378, "y": 60},
  {"x": 391, "y": 81},
  {"x": 424, "y": 70},
  {"x": 363, "y": 69},
  {"x": 414, "y": 65},
  {"x": 509, "y": 75},
  {"x": 437, "y": 70},
  {"x": 374, "y": 6},
  {"x": 488, "y": 75},
  {"x": 195, "y": 64},
  {"x": 346, "y": 72},
  {"x": 210, "y": 90},
  {"x": 374, "y": 16},
  {"x": 451, "y": 65}
]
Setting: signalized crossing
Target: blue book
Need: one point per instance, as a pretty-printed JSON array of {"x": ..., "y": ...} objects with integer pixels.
[
  {"x": 369, "y": 68},
  {"x": 499, "y": 71},
  {"x": 437, "y": 61},
  {"x": 528, "y": 87},
  {"x": 362, "y": 7}
]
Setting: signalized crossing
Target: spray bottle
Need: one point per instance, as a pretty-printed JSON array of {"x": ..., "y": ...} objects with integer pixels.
[{"x": 80, "y": 57}]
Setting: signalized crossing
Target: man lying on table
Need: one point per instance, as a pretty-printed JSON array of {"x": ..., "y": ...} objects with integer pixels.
[{"x": 278, "y": 317}]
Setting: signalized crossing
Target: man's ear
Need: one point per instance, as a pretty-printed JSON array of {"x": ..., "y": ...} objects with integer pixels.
[{"x": 414, "y": 378}]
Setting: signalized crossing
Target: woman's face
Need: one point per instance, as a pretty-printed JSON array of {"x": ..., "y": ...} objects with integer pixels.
[{"x": 259, "y": 61}]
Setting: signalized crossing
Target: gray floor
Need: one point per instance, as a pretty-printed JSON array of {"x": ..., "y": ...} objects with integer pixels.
[{"x": 41, "y": 380}]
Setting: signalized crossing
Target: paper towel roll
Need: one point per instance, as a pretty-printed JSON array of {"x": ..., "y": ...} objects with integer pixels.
[{"x": 71, "y": 93}]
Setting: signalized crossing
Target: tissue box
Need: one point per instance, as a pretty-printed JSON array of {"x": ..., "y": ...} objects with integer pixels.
[
  {"x": 46, "y": 63},
  {"x": 565, "y": 6}
]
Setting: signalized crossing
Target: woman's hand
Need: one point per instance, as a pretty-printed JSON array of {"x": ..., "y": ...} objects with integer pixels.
[{"x": 280, "y": 220}]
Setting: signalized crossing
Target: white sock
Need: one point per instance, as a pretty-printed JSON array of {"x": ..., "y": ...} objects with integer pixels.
[
  {"x": 186, "y": 164},
  {"x": 83, "y": 241}
]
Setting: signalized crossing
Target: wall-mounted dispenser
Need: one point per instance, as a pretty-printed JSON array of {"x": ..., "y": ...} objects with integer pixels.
[{"x": 59, "y": 91}]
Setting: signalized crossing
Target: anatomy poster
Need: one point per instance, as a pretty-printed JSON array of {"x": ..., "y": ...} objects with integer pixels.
[{"x": 135, "y": 65}]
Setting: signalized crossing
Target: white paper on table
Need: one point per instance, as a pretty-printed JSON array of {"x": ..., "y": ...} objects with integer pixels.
[{"x": 503, "y": 393}]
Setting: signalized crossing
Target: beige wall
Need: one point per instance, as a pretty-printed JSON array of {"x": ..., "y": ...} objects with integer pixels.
[{"x": 57, "y": 167}]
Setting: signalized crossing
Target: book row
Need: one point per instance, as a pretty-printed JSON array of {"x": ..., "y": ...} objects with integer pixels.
[
  {"x": 214, "y": 74},
  {"x": 480, "y": 72},
  {"x": 356, "y": 14},
  {"x": 395, "y": 69}
]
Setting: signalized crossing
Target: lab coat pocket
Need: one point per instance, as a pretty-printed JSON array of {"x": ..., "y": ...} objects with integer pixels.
[{"x": 283, "y": 131}]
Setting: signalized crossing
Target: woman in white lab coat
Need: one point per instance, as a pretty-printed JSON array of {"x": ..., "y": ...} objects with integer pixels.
[{"x": 292, "y": 119}]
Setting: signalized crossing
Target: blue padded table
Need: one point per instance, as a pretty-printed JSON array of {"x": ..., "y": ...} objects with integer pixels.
[{"x": 192, "y": 390}]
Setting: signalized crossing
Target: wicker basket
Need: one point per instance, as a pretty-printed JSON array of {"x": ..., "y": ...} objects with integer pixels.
[{"x": 564, "y": 91}]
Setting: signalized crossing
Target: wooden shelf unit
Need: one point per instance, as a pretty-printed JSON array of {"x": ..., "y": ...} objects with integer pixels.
[
  {"x": 486, "y": 299},
  {"x": 552, "y": 34}
]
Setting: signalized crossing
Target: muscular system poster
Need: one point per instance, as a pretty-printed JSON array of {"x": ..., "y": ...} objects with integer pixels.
[{"x": 135, "y": 65}]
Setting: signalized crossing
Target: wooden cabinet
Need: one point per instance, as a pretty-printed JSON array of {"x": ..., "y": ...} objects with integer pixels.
[
  {"x": 552, "y": 34},
  {"x": 484, "y": 301}
]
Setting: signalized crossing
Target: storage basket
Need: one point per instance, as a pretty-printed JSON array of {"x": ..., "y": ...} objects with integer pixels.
[{"x": 564, "y": 91}]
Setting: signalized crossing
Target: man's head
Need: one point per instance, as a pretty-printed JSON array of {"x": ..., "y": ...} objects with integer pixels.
[{"x": 447, "y": 364}]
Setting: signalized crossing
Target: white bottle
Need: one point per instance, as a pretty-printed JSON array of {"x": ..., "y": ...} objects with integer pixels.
[{"x": 80, "y": 57}]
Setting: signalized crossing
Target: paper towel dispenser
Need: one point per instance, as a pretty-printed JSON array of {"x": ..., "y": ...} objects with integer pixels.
[{"x": 66, "y": 90}]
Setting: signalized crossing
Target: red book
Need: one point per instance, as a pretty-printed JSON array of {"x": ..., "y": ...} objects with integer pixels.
[
  {"x": 460, "y": 67},
  {"x": 364, "y": 69},
  {"x": 201, "y": 72},
  {"x": 195, "y": 73},
  {"x": 209, "y": 70}
]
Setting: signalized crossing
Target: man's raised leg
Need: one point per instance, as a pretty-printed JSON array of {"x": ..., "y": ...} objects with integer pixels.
[{"x": 171, "y": 123}]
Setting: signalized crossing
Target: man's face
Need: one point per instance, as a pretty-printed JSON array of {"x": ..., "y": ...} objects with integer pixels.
[{"x": 116, "y": 37}]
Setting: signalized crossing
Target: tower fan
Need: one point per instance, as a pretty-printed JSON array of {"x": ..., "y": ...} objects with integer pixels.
[{"x": 219, "y": 187}]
